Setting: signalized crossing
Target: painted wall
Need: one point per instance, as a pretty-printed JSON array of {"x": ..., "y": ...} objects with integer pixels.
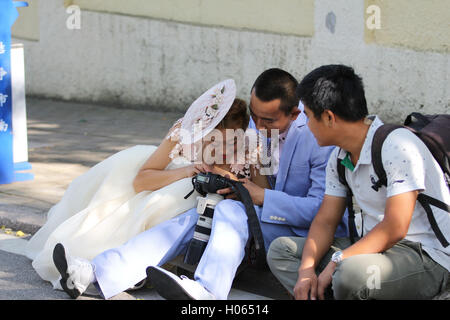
[
  {"x": 282, "y": 16},
  {"x": 152, "y": 56},
  {"x": 416, "y": 24},
  {"x": 27, "y": 26}
]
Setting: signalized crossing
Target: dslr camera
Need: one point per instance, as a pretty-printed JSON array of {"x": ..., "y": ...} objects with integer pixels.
[{"x": 207, "y": 185}]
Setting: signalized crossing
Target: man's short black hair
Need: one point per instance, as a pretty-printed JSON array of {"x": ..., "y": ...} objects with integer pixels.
[
  {"x": 336, "y": 88},
  {"x": 277, "y": 84}
]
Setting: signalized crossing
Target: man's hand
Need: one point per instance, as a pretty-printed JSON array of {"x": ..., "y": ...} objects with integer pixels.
[
  {"x": 228, "y": 193},
  {"x": 325, "y": 279},
  {"x": 256, "y": 192},
  {"x": 306, "y": 284},
  {"x": 309, "y": 283}
]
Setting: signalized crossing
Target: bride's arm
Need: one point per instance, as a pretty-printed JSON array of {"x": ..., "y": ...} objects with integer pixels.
[{"x": 153, "y": 176}]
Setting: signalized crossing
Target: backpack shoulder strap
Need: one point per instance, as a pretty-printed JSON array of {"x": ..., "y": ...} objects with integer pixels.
[
  {"x": 341, "y": 173},
  {"x": 427, "y": 202},
  {"x": 349, "y": 201},
  {"x": 377, "y": 143}
]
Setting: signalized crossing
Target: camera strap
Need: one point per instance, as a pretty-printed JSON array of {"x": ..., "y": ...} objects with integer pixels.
[{"x": 253, "y": 223}]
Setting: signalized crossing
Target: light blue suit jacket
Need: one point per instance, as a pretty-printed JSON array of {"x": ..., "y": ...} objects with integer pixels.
[{"x": 300, "y": 184}]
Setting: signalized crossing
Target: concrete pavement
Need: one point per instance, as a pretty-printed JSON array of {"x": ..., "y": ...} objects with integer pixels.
[{"x": 66, "y": 139}]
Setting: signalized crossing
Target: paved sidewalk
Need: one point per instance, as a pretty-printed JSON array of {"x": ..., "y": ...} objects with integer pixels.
[{"x": 66, "y": 139}]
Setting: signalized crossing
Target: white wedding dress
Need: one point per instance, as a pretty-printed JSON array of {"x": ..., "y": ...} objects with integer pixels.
[{"x": 100, "y": 210}]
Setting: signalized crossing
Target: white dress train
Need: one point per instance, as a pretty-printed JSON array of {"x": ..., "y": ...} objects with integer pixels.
[{"x": 100, "y": 210}]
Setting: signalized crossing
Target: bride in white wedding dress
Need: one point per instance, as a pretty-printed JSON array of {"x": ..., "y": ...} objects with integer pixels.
[{"x": 137, "y": 188}]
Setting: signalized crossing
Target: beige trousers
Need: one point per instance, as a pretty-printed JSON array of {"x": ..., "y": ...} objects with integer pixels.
[{"x": 404, "y": 271}]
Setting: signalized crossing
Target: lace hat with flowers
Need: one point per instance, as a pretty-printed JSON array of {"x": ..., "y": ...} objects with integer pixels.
[{"x": 203, "y": 115}]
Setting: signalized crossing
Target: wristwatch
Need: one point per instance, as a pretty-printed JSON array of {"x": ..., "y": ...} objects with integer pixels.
[{"x": 337, "y": 257}]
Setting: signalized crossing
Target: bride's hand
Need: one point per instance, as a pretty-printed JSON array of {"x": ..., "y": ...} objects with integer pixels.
[{"x": 194, "y": 169}]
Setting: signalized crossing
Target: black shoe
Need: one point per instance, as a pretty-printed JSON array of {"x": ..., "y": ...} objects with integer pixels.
[
  {"x": 171, "y": 287},
  {"x": 60, "y": 261}
]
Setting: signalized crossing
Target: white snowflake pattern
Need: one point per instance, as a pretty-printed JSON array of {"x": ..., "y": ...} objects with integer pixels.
[
  {"x": 2, "y": 48},
  {"x": 3, "y": 126}
]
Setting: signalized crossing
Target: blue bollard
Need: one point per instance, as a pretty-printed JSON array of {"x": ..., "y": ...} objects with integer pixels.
[{"x": 8, "y": 15}]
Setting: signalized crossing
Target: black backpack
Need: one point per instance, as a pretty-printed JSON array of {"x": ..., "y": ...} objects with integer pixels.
[{"x": 434, "y": 131}]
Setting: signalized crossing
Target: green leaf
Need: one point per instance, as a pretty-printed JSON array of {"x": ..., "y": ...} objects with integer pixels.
[
  {"x": 215, "y": 106},
  {"x": 223, "y": 89}
]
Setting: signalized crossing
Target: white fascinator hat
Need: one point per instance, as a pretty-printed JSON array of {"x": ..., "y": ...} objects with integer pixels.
[
  {"x": 204, "y": 114},
  {"x": 207, "y": 111}
]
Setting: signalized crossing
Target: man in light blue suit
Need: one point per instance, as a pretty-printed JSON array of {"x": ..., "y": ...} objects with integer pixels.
[{"x": 286, "y": 209}]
